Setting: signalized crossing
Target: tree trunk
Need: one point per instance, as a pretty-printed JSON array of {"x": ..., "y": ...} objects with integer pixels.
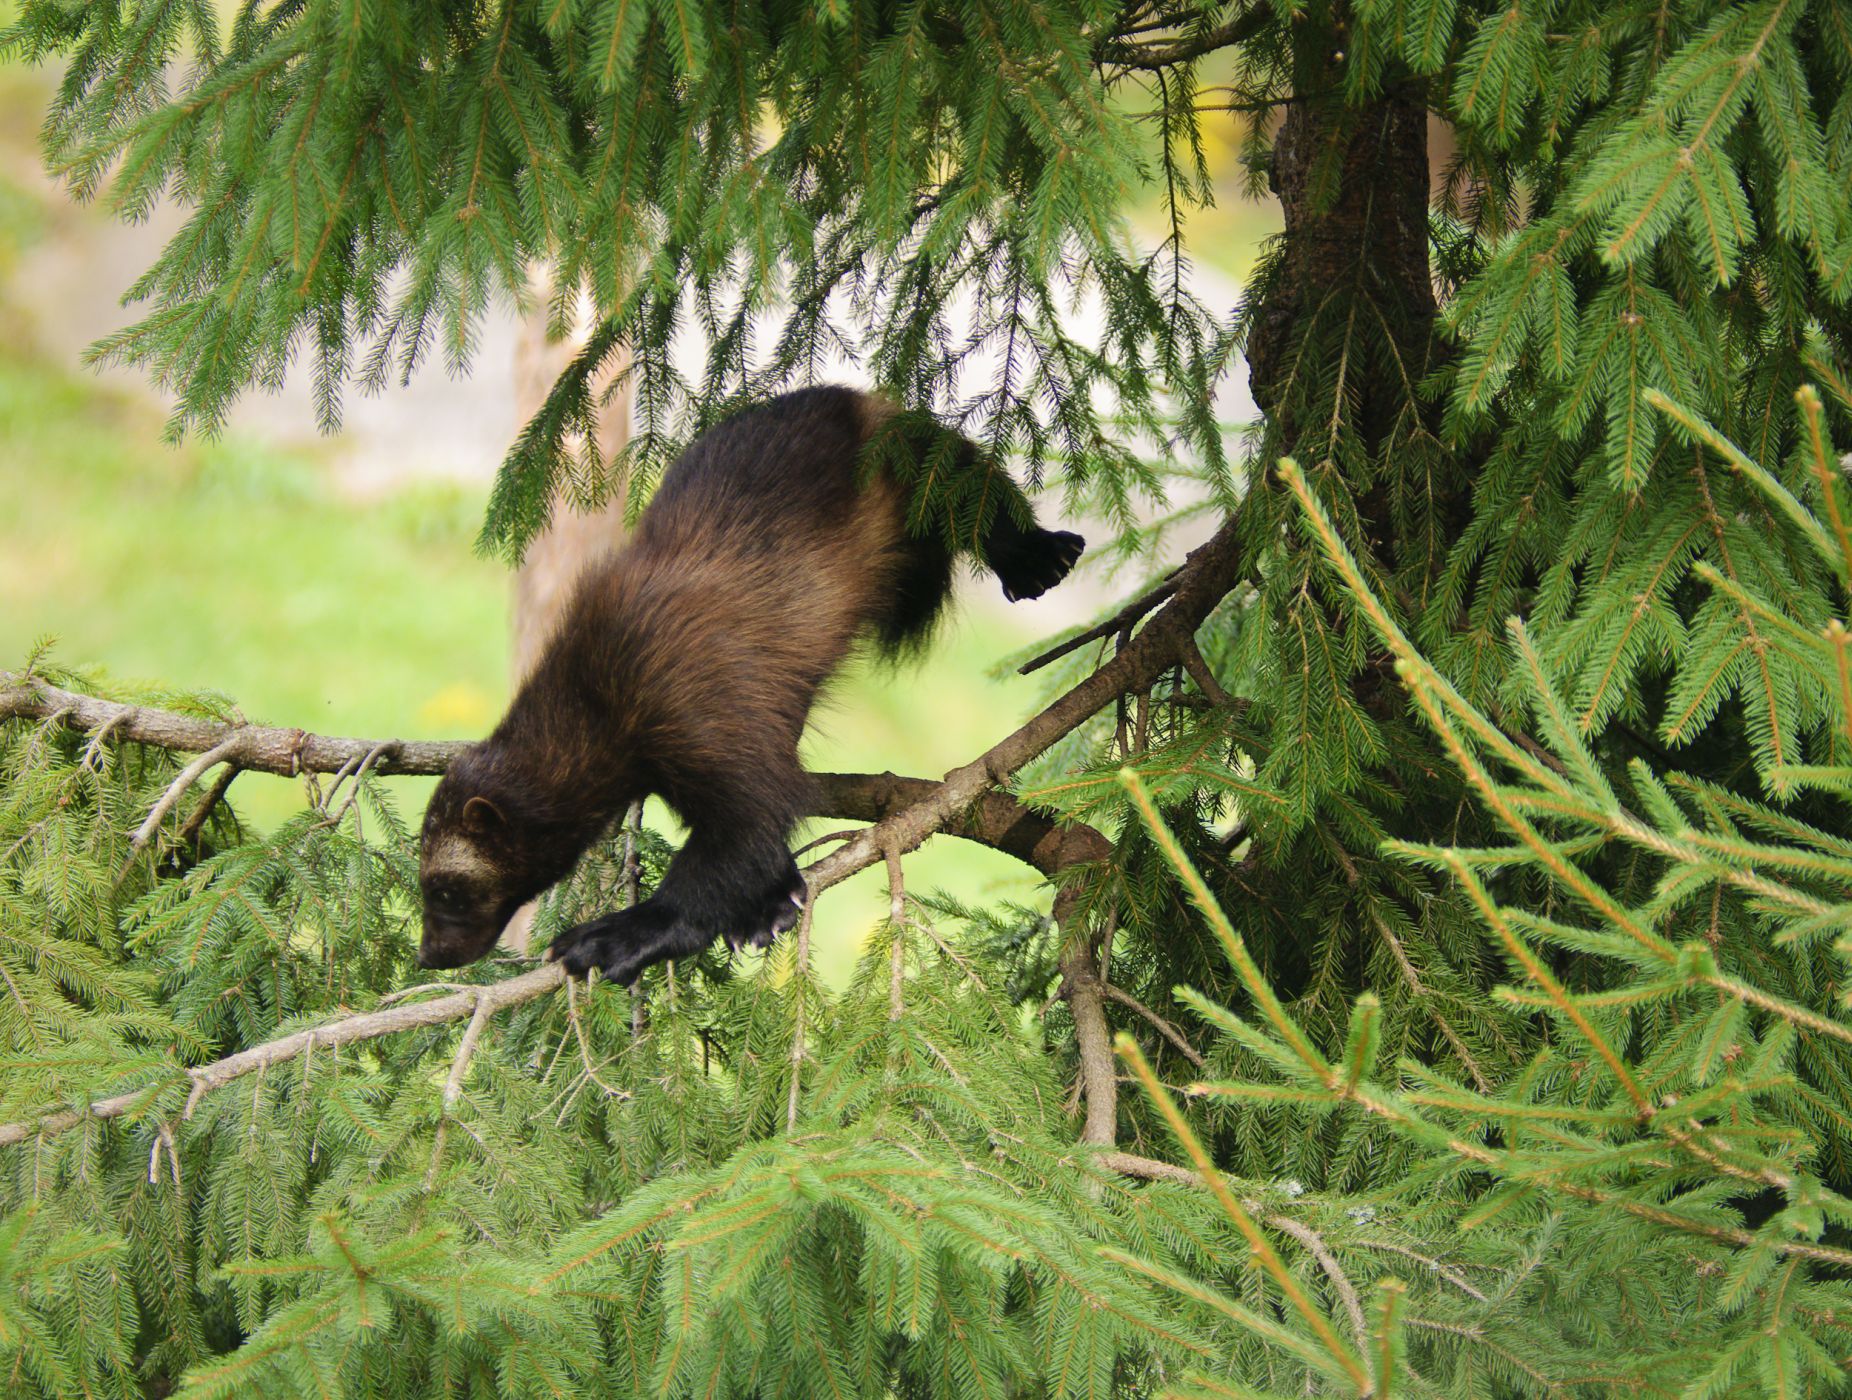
[{"x": 1368, "y": 237}]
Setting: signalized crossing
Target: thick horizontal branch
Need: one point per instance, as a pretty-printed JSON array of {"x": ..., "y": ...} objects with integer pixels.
[
  {"x": 258, "y": 748},
  {"x": 998, "y": 820}
]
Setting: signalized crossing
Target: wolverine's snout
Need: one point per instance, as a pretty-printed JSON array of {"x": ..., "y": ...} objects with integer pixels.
[{"x": 448, "y": 944}]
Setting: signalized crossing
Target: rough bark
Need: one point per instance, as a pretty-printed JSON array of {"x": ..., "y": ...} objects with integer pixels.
[
  {"x": 1366, "y": 236},
  {"x": 996, "y": 819}
]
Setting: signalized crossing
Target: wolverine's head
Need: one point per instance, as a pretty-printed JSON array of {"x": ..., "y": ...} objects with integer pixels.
[{"x": 482, "y": 859}]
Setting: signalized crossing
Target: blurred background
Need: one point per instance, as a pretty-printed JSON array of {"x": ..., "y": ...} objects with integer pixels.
[{"x": 330, "y": 582}]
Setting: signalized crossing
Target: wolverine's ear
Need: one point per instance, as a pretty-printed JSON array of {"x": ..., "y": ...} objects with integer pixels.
[{"x": 481, "y": 815}]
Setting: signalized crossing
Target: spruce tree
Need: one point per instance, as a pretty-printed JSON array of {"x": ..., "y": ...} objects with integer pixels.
[{"x": 1462, "y": 826}]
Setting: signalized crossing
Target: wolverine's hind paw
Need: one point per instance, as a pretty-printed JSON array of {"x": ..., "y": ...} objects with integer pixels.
[
  {"x": 779, "y": 911},
  {"x": 1036, "y": 562}
]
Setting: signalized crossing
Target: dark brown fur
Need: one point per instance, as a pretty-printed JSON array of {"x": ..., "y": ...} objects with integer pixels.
[{"x": 686, "y": 665}]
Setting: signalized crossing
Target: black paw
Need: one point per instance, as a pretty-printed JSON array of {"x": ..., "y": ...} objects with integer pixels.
[
  {"x": 620, "y": 945},
  {"x": 1037, "y": 562},
  {"x": 778, "y": 911}
]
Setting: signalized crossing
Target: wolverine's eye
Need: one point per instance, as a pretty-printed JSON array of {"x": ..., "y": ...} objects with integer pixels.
[{"x": 449, "y": 901}]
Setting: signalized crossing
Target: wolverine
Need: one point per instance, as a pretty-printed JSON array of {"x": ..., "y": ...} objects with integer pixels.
[{"x": 685, "y": 665}]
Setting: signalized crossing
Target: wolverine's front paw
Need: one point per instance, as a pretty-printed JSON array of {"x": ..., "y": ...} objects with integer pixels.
[
  {"x": 620, "y": 945},
  {"x": 778, "y": 911}
]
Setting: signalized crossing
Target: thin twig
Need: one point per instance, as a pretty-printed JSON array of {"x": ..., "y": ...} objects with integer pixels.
[
  {"x": 925, "y": 926},
  {"x": 1452, "y": 1275},
  {"x": 1317, "y": 1248},
  {"x": 1119, "y": 622},
  {"x": 1150, "y": 57},
  {"x": 94, "y": 751},
  {"x": 585, "y": 1049},
  {"x": 459, "y": 1067},
  {"x": 196, "y": 823},
  {"x": 897, "y": 918},
  {"x": 419, "y": 989},
  {"x": 188, "y": 776},
  {"x": 800, "y": 970},
  {"x": 1164, "y": 1027},
  {"x": 847, "y": 835},
  {"x": 377, "y": 752},
  {"x": 453, "y": 1085}
]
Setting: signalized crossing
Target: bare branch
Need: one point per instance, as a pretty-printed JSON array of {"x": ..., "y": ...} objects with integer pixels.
[
  {"x": 1151, "y": 56},
  {"x": 1099, "y": 1079},
  {"x": 459, "y": 1068},
  {"x": 453, "y": 1085},
  {"x": 188, "y": 776},
  {"x": 1316, "y": 1247},
  {"x": 1198, "y": 668},
  {"x": 260, "y": 748},
  {"x": 896, "y": 916},
  {"x": 368, "y": 1025},
  {"x": 995, "y": 820},
  {"x": 1164, "y": 1027},
  {"x": 196, "y": 823},
  {"x": 1147, "y": 1168},
  {"x": 1120, "y": 622}
]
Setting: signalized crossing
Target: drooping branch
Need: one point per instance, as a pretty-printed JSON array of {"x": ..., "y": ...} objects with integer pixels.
[
  {"x": 1168, "y": 47},
  {"x": 369, "y": 1025},
  {"x": 905, "y": 812}
]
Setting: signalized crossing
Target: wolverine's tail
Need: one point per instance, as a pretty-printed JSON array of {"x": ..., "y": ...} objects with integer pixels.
[{"x": 1029, "y": 562}]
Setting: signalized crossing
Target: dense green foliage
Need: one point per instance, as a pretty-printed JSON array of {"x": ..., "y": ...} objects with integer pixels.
[
  {"x": 1628, "y": 1170},
  {"x": 605, "y": 1205}
]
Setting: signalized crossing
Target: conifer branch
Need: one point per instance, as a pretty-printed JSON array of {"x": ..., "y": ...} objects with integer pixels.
[
  {"x": 1120, "y": 624},
  {"x": 1164, "y": 1027},
  {"x": 1153, "y": 56},
  {"x": 188, "y": 776},
  {"x": 802, "y": 970},
  {"x": 368, "y": 1025}
]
